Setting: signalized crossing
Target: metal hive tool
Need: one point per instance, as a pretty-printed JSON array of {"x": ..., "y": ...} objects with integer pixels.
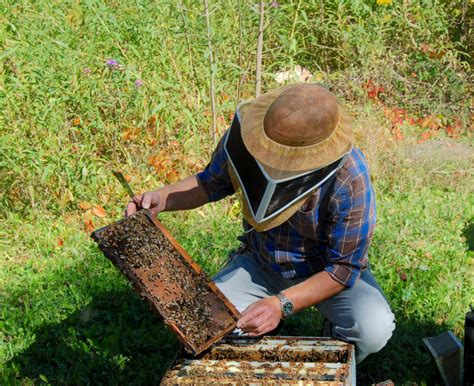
[
  {"x": 268, "y": 361},
  {"x": 165, "y": 275}
]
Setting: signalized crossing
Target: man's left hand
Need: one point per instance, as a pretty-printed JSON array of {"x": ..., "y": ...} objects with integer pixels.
[{"x": 261, "y": 317}]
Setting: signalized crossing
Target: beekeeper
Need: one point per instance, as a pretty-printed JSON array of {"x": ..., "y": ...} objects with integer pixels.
[{"x": 309, "y": 215}]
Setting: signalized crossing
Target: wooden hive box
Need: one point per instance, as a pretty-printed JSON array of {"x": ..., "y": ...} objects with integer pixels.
[
  {"x": 167, "y": 278},
  {"x": 270, "y": 360}
]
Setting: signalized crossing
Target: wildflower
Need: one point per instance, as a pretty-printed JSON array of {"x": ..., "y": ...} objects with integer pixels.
[
  {"x": 274, "y": 4},
  {"x": 384, "y": 2},
  {"x": 86, "y": 70},
  {"x": 138, "y": 83},
  {"x": 112, "y": 63}
]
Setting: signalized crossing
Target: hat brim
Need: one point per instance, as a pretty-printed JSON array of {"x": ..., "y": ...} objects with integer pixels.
[{"x": 278, "y": 157}]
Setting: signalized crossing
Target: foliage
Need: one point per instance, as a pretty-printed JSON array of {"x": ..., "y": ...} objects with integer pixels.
[
  {"x": 87, "y": 86},
  {"x": 406, "y": 47}
]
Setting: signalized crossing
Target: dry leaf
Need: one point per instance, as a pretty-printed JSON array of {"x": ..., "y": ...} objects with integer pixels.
[
  {"x": 131, "y": 133},
  {"x": 449, "y": 130},
  {"x": 151, "y": 123},
  {"x": 431, "y": 122},
  {"x": 155, "y": 161},
  {"x": 84, "y": 205},
  {"x": 374, "y": 91},
  {"x": 436, "y": 55},
  {"x": 152, "y": 141},
  {"x": 172, "y": 175},
  {"x": 426, "y": 135},
  {"x": 98, "y": 211},
  {"x": 76, "y": 121},
  {"x": 88, "y": 226}
]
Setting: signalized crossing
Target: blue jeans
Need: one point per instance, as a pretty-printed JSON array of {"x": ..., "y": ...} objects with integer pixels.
[{"x": 360, "y": 315}]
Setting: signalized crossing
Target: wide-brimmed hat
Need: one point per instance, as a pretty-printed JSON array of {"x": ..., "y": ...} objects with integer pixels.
[
  {"x": 290, "y": 131},
  {"x": 296, "y": 128}
]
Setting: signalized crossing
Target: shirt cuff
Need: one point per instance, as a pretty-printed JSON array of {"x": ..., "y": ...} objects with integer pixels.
[
  {"x": 214, "y": 190},
  {"x": 344, "y": 274}
]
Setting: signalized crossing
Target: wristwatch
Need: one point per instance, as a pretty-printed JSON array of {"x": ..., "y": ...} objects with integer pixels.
[{"x": 286, "y": 305}]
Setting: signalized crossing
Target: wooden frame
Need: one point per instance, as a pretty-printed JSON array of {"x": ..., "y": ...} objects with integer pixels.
[{"x": 140, "y": 284}]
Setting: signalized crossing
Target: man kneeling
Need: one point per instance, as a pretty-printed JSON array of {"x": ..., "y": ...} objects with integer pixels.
[{"x": 309, "y": 214}]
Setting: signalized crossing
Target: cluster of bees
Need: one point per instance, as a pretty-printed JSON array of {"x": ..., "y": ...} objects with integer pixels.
[
  {"x": 183, "y": 295},
  {"x": 231, "y": 372},
  {"x": 135, "y": 242}
]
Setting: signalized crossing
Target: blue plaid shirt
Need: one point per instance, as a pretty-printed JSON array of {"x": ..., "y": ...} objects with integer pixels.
[{"x": 304, "y": 245}]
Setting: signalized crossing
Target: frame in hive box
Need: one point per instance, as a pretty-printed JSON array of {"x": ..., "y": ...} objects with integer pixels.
[{"x": 269, "y": 360}]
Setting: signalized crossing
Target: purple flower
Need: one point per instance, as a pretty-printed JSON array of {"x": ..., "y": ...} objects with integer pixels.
[
  {"x": 112, "y": 63},
  {"x": 138, "y": 82},
  {"x": 86, "y": 70},
  {"x": 274, "y": 4}
]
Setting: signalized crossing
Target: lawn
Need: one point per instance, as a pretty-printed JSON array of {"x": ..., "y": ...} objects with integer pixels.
[{"x": 89, "y": 86}]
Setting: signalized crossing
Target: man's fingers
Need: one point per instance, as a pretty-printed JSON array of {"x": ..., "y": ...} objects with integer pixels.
[
  {"x": 251, "y": 321},
  {"x": 131, "y": 208},
  {"x": 249, "y": 313},
  {"x": 146, "y": 201},
  {"x": 260, "y": 317},
  {"x": 134, "y": 205},
  {"x": 256, "y": 322},
  {"x": 263, "y": 329},
  {"x": 137, "y": 200}
]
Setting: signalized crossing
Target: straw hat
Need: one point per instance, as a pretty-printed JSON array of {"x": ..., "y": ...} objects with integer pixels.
[
  {"x": 296, "y": 128},
  {"x": 292, "y": 130}
]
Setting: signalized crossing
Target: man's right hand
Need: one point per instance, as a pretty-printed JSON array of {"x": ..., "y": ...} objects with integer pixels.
[
  {"x": 184, "y": 194},
  {"x": 148, "y": 200}
]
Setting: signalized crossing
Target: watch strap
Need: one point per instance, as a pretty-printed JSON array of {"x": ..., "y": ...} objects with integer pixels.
[{"x": 286, "y": 305}]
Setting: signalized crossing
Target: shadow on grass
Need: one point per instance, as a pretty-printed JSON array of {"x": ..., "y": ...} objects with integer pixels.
[
  {"x": 116, "y": 339},
  {"x": 468, "y": 234},
  {"x": 404, "y": 360}
]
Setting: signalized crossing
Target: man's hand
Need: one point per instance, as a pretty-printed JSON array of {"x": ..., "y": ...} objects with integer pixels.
[
  {"x": 149, "y": 200},
  {"x": 184, "y": 194},
  {"x": 261, "y": 317}
]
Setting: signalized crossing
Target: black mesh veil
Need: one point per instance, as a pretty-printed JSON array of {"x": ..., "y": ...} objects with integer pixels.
[{"x": 267, "y": 197}]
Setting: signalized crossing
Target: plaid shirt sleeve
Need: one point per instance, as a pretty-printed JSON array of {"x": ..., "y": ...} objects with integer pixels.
[
  {"x": 215, "y": 177},
  {"x": 351, "y": 224}
]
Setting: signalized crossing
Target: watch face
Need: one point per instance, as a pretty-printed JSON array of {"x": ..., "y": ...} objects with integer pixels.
[{"x": 287, "y": 308}]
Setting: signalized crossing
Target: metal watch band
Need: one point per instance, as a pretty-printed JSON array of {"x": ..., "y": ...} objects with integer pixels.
[{"x": 286, "y": 305}]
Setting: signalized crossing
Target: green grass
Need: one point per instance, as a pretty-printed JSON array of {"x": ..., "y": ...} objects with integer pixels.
[{"x": 66, "y": 314}]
